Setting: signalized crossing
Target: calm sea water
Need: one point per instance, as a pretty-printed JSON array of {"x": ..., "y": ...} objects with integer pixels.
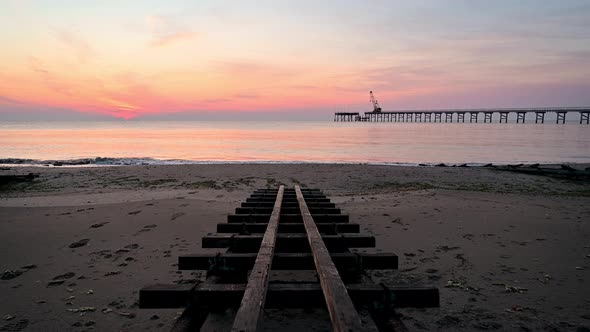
[{"x": 295, "y": 141}]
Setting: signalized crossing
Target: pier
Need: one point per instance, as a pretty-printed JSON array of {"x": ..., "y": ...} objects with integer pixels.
[{"x": 459, "y": 115}]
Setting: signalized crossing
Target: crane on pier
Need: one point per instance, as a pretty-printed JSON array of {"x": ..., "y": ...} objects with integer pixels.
[{"x": 375, "y": 103}]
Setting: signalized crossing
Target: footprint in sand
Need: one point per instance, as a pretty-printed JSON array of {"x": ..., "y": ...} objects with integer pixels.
[
  {"x": 177, "y": 215},
  {"x": 60, "y": 279},
  {"x": 79, "y": 244},
  {"x": 134, "y": 212},
  {"x": 67, "y": 275},
  {"x": 99, "y": 224},
  {"x": 146, "y": 228}
]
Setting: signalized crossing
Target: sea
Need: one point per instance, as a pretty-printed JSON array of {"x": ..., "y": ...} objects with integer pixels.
[{"x": 94, "y": 143}]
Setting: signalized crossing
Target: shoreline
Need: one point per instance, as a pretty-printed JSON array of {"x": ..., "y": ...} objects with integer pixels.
[
  {"x": 476, "y": 233},
  {"x": 117, "y": 162}
]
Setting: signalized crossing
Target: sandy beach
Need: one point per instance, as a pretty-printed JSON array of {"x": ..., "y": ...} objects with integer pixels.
[{"x": 508, "y": 251}]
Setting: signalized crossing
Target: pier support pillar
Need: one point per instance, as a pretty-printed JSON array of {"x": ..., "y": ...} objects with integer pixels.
[
  {"x": 487, "y": 117},
  {"x": 520, "y": 116},
  {"x": 473, "y": 116},
  {"x": 539, "y": 117},
  {"x": 560, "y": 117},
  {"x": 428, "y": 117},
  {"x": 418, "y": 117},
  {"x": 504, "y": 117},
  {"x": 448, "y": 117},
  {"x": 437, "y": 117},
  {"x": 585, "y": 116},
  {"x": 460, "y": 117}
]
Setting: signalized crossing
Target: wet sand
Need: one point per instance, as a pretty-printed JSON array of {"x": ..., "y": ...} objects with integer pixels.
[{"x": 508, "y": 251}]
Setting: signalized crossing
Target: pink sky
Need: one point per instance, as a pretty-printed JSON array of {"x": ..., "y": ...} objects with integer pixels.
[{"x": 147, "y": 58}]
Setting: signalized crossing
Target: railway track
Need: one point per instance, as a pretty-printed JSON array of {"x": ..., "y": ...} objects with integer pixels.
[{"x": 288, "y": 229}]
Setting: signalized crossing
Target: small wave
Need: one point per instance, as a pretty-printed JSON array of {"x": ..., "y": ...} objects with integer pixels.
[
  {"x": 110, "y": 161},
  {"x": 94, "y": 161}
]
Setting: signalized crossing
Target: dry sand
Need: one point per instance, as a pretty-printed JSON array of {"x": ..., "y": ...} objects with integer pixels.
[{"x": 508, "y": 251}]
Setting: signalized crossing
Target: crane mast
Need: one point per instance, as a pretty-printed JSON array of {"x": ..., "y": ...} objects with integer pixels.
[{"x": 375, "y": 103}]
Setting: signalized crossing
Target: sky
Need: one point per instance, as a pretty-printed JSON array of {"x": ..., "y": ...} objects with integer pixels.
[{"x": 144, "y": 59}]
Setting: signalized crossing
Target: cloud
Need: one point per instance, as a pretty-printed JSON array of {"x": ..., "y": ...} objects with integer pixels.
[
  {"x": 168, "y": 39},
  {"x": 49, "y": 79},
  {"x": 247, "y": 96},
  {"x": 73, "y": 40},
  {"x": 167, "y": 30},
  {"x": 6, "y": 100},
  {"x": 217, "y": 100}
]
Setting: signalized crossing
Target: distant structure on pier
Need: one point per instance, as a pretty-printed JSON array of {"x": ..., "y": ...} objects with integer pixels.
[{"x": 458, "y": 115}]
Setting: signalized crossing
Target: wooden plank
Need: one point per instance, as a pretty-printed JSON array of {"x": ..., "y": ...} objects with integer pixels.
[
  {"x": 288, "y": 261},
  {"x": 248, "y": 228},
  {"x": 192, "y": 319},
  {"x": 289, "y": 196},
  {"x": 270, "y": 199},
  {"x": 298, "y": 295},
  {"x": 290, "y": 210},
  {"x": 194, "y": 315},
  {"x": 287, "y": 242},
  {"x": 164, "y": 296},
  {"x": 288, "y": 191},
  {"x": 289, "y": 218},
  {"x": 343, "y": 314},
  {"x": 288, "y": 204},
  {"x": 249, "y": 314}
]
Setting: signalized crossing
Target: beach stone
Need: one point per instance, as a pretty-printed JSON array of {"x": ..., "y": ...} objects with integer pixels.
[{"x": 80, "y": 243}]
